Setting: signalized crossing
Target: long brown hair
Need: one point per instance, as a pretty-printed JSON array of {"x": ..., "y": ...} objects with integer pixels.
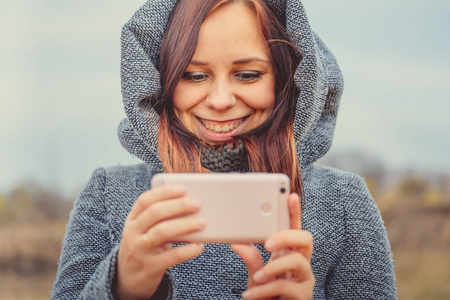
[{"x": 270, "y": 146}]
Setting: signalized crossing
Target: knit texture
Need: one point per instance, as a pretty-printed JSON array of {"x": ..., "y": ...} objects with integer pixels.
[
  {"x": 224, "y": 158},
  {"x": 317, "y": 76},
  {"x": 351, "y": 257}
]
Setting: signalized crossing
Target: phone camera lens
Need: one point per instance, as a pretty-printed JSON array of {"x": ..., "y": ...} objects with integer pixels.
[{"x": 283, "y": 190}]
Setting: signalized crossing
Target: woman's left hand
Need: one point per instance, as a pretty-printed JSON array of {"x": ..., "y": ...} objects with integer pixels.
[{"x": 288, "y": 274}]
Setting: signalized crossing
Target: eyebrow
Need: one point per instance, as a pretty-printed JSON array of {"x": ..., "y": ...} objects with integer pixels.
[
  {"x": 249, "y": 60},
  {"x": 237, "y": 62}
]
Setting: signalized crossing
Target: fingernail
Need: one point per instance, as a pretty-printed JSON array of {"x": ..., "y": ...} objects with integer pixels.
[
  {"x": 247, "y": 294},
  {"x": 270, "y": 244},
  {"x": 259, "y": 276},
  {"x": 201, "y": 222},
  {"x": 178, "y": 189},
  {"x": 196, "y": 204}
]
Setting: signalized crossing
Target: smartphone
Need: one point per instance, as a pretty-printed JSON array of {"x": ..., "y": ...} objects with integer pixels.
[{"x": 238, "y": 207}]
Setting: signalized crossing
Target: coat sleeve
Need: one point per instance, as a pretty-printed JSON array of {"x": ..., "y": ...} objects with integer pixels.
[
  {"x": 365, "y": 269},
  {"x": 87, "y": 265}
]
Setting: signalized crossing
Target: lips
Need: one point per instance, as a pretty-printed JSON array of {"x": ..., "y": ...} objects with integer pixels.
[
  {"x": 220, "y": 131},
  {"x": 221, "y": 127}
]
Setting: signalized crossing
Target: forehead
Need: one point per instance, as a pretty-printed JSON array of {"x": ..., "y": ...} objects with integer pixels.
[{"x": 231, "y": 30}]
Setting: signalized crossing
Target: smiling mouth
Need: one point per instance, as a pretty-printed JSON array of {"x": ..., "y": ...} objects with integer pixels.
[{"x": 222, "y": 127}]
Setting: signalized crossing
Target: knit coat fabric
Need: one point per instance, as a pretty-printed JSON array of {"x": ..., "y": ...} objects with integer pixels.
[{"x": 351, "y": 257}]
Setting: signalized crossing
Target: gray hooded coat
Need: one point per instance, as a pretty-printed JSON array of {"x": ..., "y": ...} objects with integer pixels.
[{"x": 351, "y": 257}]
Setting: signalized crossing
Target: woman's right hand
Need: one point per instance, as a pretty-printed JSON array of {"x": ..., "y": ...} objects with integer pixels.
[{"x": 158, "y": 216}]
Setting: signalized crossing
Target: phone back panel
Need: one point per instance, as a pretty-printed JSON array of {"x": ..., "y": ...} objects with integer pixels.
[{"x": 238, "y": 207}]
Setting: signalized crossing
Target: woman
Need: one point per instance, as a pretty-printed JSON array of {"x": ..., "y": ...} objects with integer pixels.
[{"x": 233, "y": 89}]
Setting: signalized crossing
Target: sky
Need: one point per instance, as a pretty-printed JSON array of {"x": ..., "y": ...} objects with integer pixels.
[{"x": 61, "y": 101}]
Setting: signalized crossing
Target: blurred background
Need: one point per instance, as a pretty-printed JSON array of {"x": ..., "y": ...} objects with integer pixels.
[{"x": 61, "y": 104}]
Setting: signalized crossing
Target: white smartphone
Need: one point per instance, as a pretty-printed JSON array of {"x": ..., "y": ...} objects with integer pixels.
[{"x": 238, "y": 207}]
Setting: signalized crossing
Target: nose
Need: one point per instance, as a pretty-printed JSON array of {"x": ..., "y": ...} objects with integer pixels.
[{"x": 221, "y": 96}]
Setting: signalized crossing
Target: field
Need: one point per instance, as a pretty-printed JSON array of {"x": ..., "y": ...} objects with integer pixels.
[
  {"x": 28, "y": 259},
  {"x": 419, "y": 230}
]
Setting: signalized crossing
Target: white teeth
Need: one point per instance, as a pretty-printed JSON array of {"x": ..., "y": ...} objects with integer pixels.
[{"x": 218, "y": 128}]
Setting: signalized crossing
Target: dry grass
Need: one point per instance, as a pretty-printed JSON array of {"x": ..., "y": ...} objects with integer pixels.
[
  {"x": 28, "y": 259},
  {"x": 423, "y": 274},
  {"x": 419, "y": 234},
  {"x": 29, "y": 249},
  {"x": 32, "y": 252},
  {"x": 36, "y": 287}
]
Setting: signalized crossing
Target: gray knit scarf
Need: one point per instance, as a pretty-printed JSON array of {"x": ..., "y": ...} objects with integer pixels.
[{"x": 224, "y": 158}]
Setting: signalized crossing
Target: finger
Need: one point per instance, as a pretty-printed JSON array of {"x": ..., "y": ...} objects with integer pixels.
[
  {"x": 251, "y": 257},
  {"x": 297, "y": 240},
  {"x": 166, "y": 246},
  {"x": 294, "y": 211},
  {"x": 155, "y": 195},
  {"x": 171, "y": 230},
  {"x": 178, "y": 255},
  {"x": 165, "y": 210},
  {"x": 281, "y": 287},
  {"x": 294, "y": 264}
]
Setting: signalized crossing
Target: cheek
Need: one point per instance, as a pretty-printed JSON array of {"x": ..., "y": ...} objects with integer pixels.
[
  {"x": 178, "y": 103},
  {"x": 262, "y": 98},
  {"x": 181, "y": 105},
  {"x": 183, "y": 99}
]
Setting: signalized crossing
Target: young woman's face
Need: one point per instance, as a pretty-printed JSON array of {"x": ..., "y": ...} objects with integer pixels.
[{"x": 229, "y": 86}]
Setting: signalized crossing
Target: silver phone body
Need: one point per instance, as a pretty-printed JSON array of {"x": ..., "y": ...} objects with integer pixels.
[{"x": 238, "y": 207}]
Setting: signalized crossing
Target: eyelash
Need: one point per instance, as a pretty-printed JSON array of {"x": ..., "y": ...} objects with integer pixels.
[
  {"x": 199, "y": 77},
  {"x": 190, "y": 76},
  {"x": 253, "y": 76}
]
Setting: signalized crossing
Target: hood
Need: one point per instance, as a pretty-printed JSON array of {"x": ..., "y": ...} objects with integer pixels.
[{"x": 318, "y": 77}]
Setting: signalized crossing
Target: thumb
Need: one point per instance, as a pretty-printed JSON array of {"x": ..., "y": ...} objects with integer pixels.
[
  {"x": 294, "y": 211},
  {"x": 251, "y": 257}
]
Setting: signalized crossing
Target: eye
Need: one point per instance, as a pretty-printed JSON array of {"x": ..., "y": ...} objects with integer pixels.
[
  {"x": 195, "y": 76},
  {"x": 248, "y": 76}
]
